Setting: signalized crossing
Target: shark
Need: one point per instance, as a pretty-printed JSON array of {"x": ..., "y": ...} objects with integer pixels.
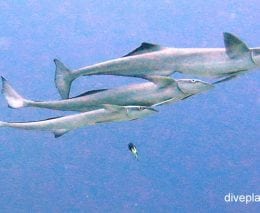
[
  {"x": 153, "y": 59},
  {"x": 160, "y": 89},
  {"x": 61, "y": 125}
]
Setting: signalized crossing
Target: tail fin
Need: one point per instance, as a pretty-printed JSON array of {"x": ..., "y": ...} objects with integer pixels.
[
  {"x": 13, "y": 99},
  {"x": 63, "y": 79},
  {"x": 2, "y": 123}
]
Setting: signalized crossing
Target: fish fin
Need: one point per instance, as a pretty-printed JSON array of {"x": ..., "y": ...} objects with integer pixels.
[
  {"x": 144, "y": 48},
  {"x": 230, "y": 76},
  {"x": 235, "y": 48},
  {"x": 113, "y": 108},
  {"x": 3, "y": 124},
  {"x": 161, "y": 81},
  {"x": 59, "y": 132},
  {"x": 225, "y": 79},
  {"x": 12, "y": 97},
  {"x": 63, "y": 79}
]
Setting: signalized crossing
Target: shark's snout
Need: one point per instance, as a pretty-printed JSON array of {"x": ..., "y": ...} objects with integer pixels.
[{"x": 194, "y": 86}]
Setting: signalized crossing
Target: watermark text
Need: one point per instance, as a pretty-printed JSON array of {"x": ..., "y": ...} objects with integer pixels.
[{"x": 242, "y": 198}]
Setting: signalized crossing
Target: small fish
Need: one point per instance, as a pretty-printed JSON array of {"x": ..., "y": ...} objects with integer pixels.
[{"x": 133, "y": 149}]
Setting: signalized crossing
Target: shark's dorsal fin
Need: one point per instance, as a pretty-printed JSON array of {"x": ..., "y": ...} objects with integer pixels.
[
  {"x": 235, "y": 48},
  {"x": 144, "y": 48},
  {"x": 113, "y": 108},
  {"x": 59, "y": 132},
  {"x": 161, "y": 81}
]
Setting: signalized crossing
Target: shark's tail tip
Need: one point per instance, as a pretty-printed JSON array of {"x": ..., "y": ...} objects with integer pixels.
[
  {"x": 13, "y": 99},
  {"x": 2, "y": 123}
]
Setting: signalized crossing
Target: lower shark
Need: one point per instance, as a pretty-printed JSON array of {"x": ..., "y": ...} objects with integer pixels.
[
  {"x": 160, "y": 90},
  {"x": 152, "y": 59},
  {"x": 61, "y": 125}
]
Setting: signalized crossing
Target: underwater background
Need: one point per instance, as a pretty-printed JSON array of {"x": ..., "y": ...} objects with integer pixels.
[{"x": 192, "y": 153}]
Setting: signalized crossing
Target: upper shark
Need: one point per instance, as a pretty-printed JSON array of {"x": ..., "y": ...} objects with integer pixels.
[
  {"x": 152, "y": 59},
  {"x": 160, "y": 90}
]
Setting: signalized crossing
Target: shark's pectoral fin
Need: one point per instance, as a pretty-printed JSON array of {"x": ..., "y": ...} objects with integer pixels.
[
  {"x": 161, "y": 81},
  {"x": 225, "y": 79},
  {"x": 59, "y": 132},
  {"x": 144, "y": 48},
  {"x": 230, "y": 76},
  {"x": 235, "y": 48}
]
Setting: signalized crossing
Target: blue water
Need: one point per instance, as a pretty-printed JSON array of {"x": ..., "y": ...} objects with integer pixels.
[{"x": 192, "y": 153}]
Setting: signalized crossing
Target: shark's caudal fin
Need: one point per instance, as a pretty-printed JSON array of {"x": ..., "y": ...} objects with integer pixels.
[
  {"x": 63, "y": 79},
  {"x": 13, "y": 99},
  {"x": 2, "y": 124}
]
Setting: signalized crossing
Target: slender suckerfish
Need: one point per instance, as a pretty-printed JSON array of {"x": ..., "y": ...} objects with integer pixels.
[
  {"x": 133, "y": 150},
  {"x": 62, "y": 125},
  {"x": 151, "y": 59},
  {"x": 161, "y": 89}
]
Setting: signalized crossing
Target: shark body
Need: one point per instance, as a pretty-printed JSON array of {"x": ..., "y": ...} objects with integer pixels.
[
  {"x": 62, "y": 125},
  {"x": 160, "y": 90},
  {"x": 151, "y": 59}
]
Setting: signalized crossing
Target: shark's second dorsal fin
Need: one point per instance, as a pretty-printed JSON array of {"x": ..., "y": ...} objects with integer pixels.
[
  {"x": 144, "y": 48},
  {"x": 235, "y": 48}
]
